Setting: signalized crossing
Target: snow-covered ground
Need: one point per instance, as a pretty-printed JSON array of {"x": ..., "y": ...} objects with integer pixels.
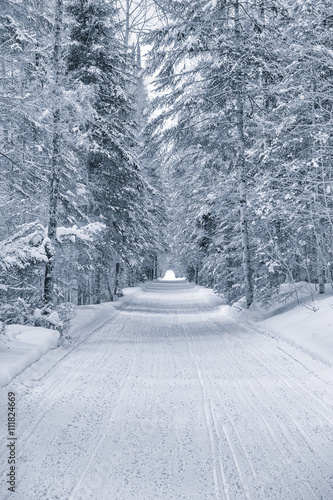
[
  {"x": 311, "y": 329},
  {"x": 164, "y": 395},
  {"x": 21, "y": 346},
  {"x": 306, "y": 323}
]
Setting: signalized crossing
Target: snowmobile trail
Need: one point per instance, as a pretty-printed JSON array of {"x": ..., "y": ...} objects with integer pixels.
[
  {"x": 174, "y": 399},
  {"x": 221, "y": 487}
]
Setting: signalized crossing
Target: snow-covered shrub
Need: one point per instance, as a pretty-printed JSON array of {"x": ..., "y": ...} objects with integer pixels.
[
  {"x": 19, "y": 312},
  {"x": 46, "y": 318},
  {"x": 65, "y": 313},
  {"x": 58, "y": 318}
]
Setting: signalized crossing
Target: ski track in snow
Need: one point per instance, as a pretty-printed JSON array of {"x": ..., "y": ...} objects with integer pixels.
[{"x": 173, "y": 399}]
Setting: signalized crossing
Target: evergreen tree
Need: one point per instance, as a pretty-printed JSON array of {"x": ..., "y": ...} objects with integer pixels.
[
  {"x": 120, "y": 192},
  {"x": 229, "y": 87}
]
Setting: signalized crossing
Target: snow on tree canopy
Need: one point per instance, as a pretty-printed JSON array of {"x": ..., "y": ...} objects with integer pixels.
[
  {"x": 27, "y": 246},
  {"x": 24, "y": 248},
  {"x": 86, "y": 233}
]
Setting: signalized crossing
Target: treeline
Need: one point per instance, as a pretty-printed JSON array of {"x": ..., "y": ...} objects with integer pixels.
[
  {"x": 81, "y": 200},
  {"x": 244, "y": 89}
]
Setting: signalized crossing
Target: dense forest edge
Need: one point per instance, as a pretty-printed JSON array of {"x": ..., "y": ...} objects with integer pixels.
[{"x": 139, "y": 135}]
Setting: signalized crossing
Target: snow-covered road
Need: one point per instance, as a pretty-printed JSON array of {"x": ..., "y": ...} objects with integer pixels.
[{"x": 174, "y": 399}]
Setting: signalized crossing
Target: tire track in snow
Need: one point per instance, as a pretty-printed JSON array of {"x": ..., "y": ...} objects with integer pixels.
[
  {"x": 124, "y": 389},
  {"x": 60, "y": 386},
  {"x": 51, "y": 396},
  {"x": 263, "y": 397},
  {"x": 272, "y": 435},
  {"x": 225, "y": 428},
  {"x": 237, "y": 448},
  {"x": 262, "y": 357},
  {"x": 267, "y": 430},
  {"x": 78, "y": 342},
  {"x": 271, "y": 366},
  {"x": 275, "y": 438},
  {"x": 229, "y": 432},
  {"x": 221, "y": 486},
  {"x": 238, "y": 451}
]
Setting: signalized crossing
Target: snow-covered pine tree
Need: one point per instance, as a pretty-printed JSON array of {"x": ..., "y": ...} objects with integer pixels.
[
  {"x": 222, "y": 87},
  {"x": 294, "y": 200},
  {"x": 56, "y": 151},
  {"x": 206, "y": 68},
  {"x": 100, "y": 65},
  {"x": 23, "y": 137}
]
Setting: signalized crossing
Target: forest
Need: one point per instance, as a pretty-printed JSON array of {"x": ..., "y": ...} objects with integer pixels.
[{"x": 139, "y": 135}]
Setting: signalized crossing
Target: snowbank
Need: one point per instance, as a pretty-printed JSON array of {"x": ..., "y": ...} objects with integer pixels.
[
  {"x": 310, "y": 328},
  {"x": 308, "y": 325},
  {"x": 20, "y": 346}
]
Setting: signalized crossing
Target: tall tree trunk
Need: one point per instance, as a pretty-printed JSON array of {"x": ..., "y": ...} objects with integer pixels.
[
  {"x": 239, "y": 115},
  {"x": 155, "y": 267},
  {"x": 228, "y": 266},
  {"x": 116, "y": 281},
  {"x": 316, "y": 148},
  {"x": 85, "y": 294},
  {"x": 245, "y": 244},
  {"x": 55, "y": 160},
  {"x": 97, "y": 285},
  {"x": 321, "y": 276}
]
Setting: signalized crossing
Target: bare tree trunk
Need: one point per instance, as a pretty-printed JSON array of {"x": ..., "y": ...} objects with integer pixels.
[
  {"x": 116, "y": 281},
  {"x": 85, "y": 295},
  {"x": 97, "y": 286},
  {"x": 109, "y": 287},
  {"x": 314, "y": 151},
  {"x": 321, "y": 277},
  {"x": 155, "y": 267},
  {"x": 55, "y": 161},
  {"x": 239, "y": 115},
  {"x": 242, "y": 187},
  {"x": 228, "y": 267},
  {"x": 245, "y": 245}
]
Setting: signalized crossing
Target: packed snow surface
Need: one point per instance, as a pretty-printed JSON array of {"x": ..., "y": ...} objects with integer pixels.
[{"x": 169, "y": 397}]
